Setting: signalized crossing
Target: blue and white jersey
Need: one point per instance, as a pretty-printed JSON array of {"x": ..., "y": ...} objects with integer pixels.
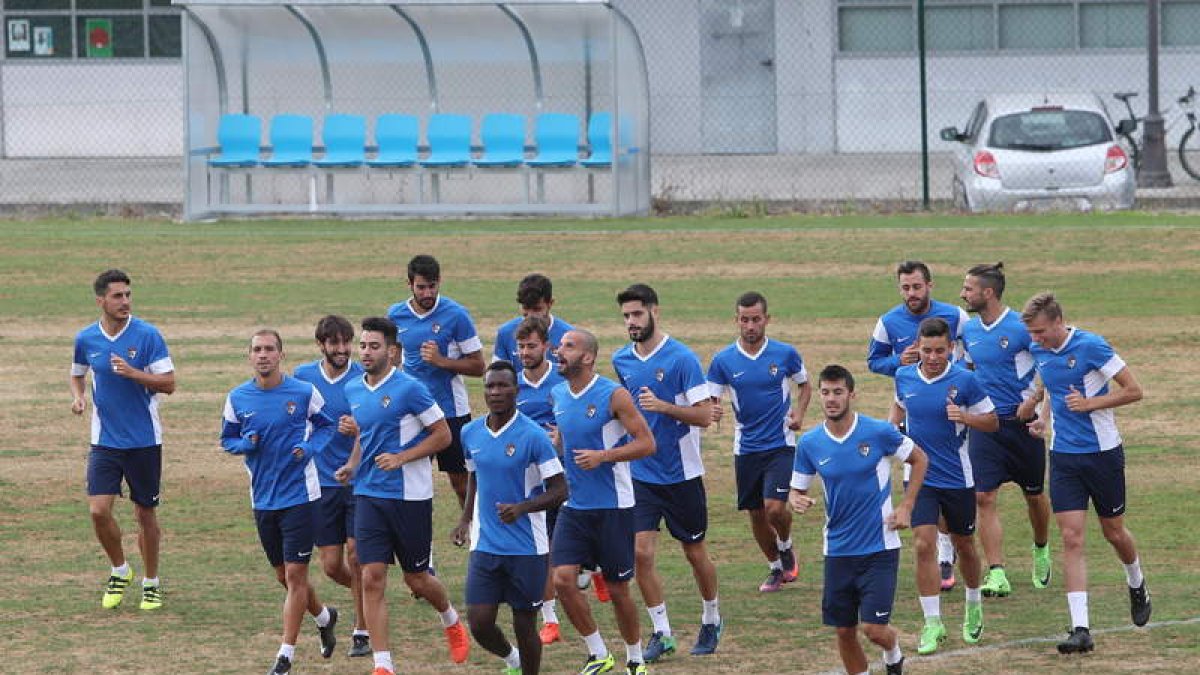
[
  {"x": 674, "y": 374},
  {"x": 450, "y": 326},
  {"x": 759, "y": 387},
  {"x": 535, "y": 399},
  {"x": 924, "y": 402},
  {"x": 856, "y": 474},
  {"x": 1084, "y": 361},
  {"x": 124, "y": 413},
  {"x": 283, "y": 418},
  {"x": 334, "y": 392},
  {"x": 1003, "y": 363},
  {"x": 505, "y": 348},
  {"x": 392, "y": 417},
  {"x": 509, "y": 467},
  {"x": 586, "y": 422},
  {"x": 897, "y": 330}
]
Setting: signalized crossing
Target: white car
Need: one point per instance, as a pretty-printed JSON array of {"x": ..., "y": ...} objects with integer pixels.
[{"x": 1032, "y": 151}]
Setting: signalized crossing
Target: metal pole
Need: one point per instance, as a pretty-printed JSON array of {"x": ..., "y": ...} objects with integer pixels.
[
  {"x": 924, "y": 106},
  {"x": 1153, "y": 172}
]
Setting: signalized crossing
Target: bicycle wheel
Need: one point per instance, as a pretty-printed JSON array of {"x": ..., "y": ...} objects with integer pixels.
[
  {"x": 1130, "y": 146},
  {"x": 1189, "y": 153}
]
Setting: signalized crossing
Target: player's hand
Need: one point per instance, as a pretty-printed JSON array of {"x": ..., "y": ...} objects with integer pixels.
[
  {"x": 555, "y": 437},
  {"x": 78, "y": 405},
  {"x": 344, "y": 474},
  {"x": 461, "y": 534},
  {"x": 509, "y": 512},
  {"x": 910, "y": 356},
  {"x": 1037, "y": 428},
  {"x": 1027, "y": 410},
  {"x": 589, "y": 459},
  {"x": 389, "y": 461},
  {"x": 649, "y": 402},
  {"x": 347, "y": 426},
  {"x": 718, "y": 411},
  {"x": 430, "y": 353},
  {"x": 793, "y": 422},
  {"x": 800, "y": 503},
  {"x": 120, "y": 366},
  {"x": 954, "y": 411},
  {"x": 252, "y": 438},
  {"x": 298, "y": 453},
  {"x": 899, "y": 519},
  {"x": 1077, "y": 402}
]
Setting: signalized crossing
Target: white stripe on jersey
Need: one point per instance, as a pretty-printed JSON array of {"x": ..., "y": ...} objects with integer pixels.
[
  {"x": 312, "y": 481},
  {"x": 789, "y": 436},
  {"x": 689, "y": 443}
]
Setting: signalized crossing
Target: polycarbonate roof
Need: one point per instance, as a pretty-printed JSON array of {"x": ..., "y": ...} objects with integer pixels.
[{"x": 351, "y": 3}]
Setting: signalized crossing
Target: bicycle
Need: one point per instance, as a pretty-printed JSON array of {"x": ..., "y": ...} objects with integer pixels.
[{"x": 1189, "y": 148}]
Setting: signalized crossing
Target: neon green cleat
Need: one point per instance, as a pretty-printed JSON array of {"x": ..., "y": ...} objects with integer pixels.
[
  {"x": 973, "y": 624},
  {"x": 1041, "y": 566},
  {"x": 596, "y": 664},
  {"x": 512, "y": 671},
  {"x": 932, "y": 635},
  {"x": 995, "y": 584},
  {"x": 152, "y": 597},
  {"x": 635, "y": 668},
  {"x": 114, "y": 591}
]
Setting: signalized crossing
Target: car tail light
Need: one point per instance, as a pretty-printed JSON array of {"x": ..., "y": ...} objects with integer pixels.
[
  {"x": 1115, "y": 160},
  {"x": 985, "y": 165}
]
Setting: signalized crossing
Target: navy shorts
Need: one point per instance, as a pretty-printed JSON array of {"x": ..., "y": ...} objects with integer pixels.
[
  {"x": 957, "y": 505},
  {"x": 1009, "y": 454},
  {"x": 1098, "y": 476},
  {"x": 517, "y": 580},
  {"x": 451, "y": 459},
  {"x": 335, "y": 515},
  {"x": 140, "y": 467},
  {"x": 394, "y": 530},
  {"x": 859, "y": 588},
  {"x": 683, "y": 505},
  {"x": 286, "y": 535},
  {"x": 763, "y": 475},
  {"x": 591, "y": 537}
]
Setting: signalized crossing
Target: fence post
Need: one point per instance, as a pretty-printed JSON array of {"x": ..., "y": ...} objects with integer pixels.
[{"x": 924, "y": 106}]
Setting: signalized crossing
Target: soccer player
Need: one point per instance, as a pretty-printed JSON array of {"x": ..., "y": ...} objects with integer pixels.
[
  {"x": 997, "y": 346},
  {"x": 509, "y": 457},
  {"x": 440, "y": 346},
  {"x": 894, "y": 344},
  {"x": 862, "y": 547},
  {"x": 1087, "y": 458},
  {"x": 596, "y": 523},
  {"x": 535, "y": 295},
  {"x": 335, "y": 512},
  {"x": 938, "y": 400},
  {"x": 666, "y": 380},
  {"x": 757, "y": 373},
  {"x": 279, "y": 426},
  {"x": 130, "y": 367},
  {"x": 400, "y": 427}
]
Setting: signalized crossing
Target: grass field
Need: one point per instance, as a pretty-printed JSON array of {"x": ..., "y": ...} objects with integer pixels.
[{"x": 1134, "y": 278}]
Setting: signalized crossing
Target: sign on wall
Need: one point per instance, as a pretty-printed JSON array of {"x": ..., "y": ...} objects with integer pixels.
[{"x": 99, "y": 38}]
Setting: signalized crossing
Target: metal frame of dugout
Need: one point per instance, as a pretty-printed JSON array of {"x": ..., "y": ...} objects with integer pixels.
[{"x": 425, "y": 58}]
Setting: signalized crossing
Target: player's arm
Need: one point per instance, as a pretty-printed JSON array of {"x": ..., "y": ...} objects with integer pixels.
[
  {"x": 881, "y": 357},
  {"x": 235, "y": 439},
  {"x": 1028, "y": 408},
  {"x": 901, "y": 517},
  {"x": 461, "y": 532},
  {"x": 78, "y": 384},
  {"x": 555, "y": 494},
  {"x": 159, "y": 383},
  {"x": 698, "y": 414},
  {"x": 981, "y": 416},
  {"x": 1130, "y": 391},
  {"x": 641, "y": 443},
  {"x": 896, "y": 414},
  {"x": 803, "y": 397},
  {"x": 437, "y": 440},
  {"x": 470, "y": 365},
  {"x": 323, "y": 429},
  {"x": 345, "y": 472}
]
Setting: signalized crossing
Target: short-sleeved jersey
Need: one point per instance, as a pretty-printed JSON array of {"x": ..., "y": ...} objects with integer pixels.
[
  {"x": 334, "y": 392},
  {"x": 674, "y": 374},
  {"x": 759, "y": 387},
  {"x": 855, "y": 473},
  {"x": 509, "y": 467},
  {"x": 924, "y": 402},
  {"x": 392, "y": 417},
  {"x": 505, "y": 348},
  {"x": 535, "y": 399},
  {"x": 897, "y": 330},
  {"x": 1084, "y": 361},
  {"x": 450, "y": 326},
  {"x": 1002, "y": 361},
  {"x": 586, "y": 422},
  {"x": 288, "y": 416},
  {"x": 124, "y": 413}
]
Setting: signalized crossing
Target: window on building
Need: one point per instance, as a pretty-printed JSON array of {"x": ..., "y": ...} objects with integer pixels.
[{"x": 90, "y": 29}]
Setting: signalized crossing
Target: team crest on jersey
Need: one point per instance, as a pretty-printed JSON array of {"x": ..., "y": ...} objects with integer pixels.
[
  {"x": 385, "y": 401},
  {"x": 510, "y": 449},
  {"x": 864, "y": 449},
  {"x": 773, "y": 370},
  {"x": 291, "y": 407},
  {"x": 591, "y": 410},
  {"x": 659, "y": 374},
  {"x": 952, "y": 392},
  {"x": 436, "y": 328},
  {"x": 1003, "y": 342},
  {"x": 1070, "y": 361},
  {"x": 132, "y": 353}
]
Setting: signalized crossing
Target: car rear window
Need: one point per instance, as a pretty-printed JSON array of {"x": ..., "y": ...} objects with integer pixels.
[{"x": 1049, "y": 129}]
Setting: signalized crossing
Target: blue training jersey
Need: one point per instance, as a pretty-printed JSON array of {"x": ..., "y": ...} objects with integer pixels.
[
  {"x": 505, "y": 348},
  {"x": 334, "y": 392},
  {"x": 450, "y": 326},
  {"x": 124, "y": 413},
  {"x": 897, "y": 330},
  {"x": 509, "y": 467},
  {"x": 586, "y": 422},
  {"x": 392, "y": 416},
  {"x": 535, "y": 399},
  {"x": 674, "y": 374},
  {"x": 1003, "y": 364},
  {"x": 759, "y": 387},
  {"x": 288, "y": 416},
  {"x": 856, "y": 476},
  {"x": 1086, "y": 362},
  {"x": 924, "y": 402}
]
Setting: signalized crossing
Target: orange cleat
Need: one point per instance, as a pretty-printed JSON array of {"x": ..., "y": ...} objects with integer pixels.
[
  {"x": 550, "y": 633},
  {"x": 600, "y": 586},
  {"x": 382, "y": 671},
  {"x": 460, "y": 645}
]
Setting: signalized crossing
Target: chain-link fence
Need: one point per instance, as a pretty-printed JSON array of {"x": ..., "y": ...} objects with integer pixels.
[{"x": 752, "y": 101}]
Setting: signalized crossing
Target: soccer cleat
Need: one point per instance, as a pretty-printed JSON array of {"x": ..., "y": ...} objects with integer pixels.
[
  {"x": 658, "y": 646},
  {"x": 773, "y": 582},
  {"x": 896, "y": 668},
  {"x": 328, "y": 637},
  {"x": 282, "y": 665},
  {"x": 995, "y": 584},
  {"x": 114, "y": 591},
  {"x": 973, "y": 623},
  {"x": 1041, "y": 566},
  {"x": 932, "y": 635},
  {"x": 380, "y": 670},
  {"x": 360, "y": 645},
  {"x": 635, "y": 668},
  {"x": 600, "y": 586},
  {"x": 947, "y": 576},
  {"x": 460, "y": 645},
  {"x": 550, "y": 633},
  {"x": 513, "y": 671},
  {"x": 1139, "y": 604},
  {"x": 791, "y": 566},
  {"x": 596, "y": 664},
  {"x": 152, "y": 597},
  {"x": 584, "y": 579},
  {"x": 706, "y": 641},
  {"x": 1079, "y": 641}
]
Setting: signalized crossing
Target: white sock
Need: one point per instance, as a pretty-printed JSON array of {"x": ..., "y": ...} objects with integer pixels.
[
  {"x": 513, "y": 660},
  {"x": 892, "y": 656},
  {"x": 548, "y": 613},
  {"x": 1133, "y": 573},
  {"x": 154, "y": 581},
  {"x": 931, "y": 606},
  {"x": 449, "y": 617},
  {"x": 712, "y": 612},
  {"x": 322, "y": 619},
  {"x": 865, "y": 672},
  {"x": 1077, "y": 602},
  {"x": 384, "y": 660},
  {"x": 633, "y": 652},
  {"x": 658, "y": 616},
  {"x": 361, "y": 631},
  {"x": 945, "y": 548},
  {"x": 595, "y": 645},
  {"x": 122, "y": 570},
  {"x": 287, "y": 650},
  {"x": 783, "y": 544},
  {"x": 776, "y": 564},
  {"x": 974, "y": 595}
]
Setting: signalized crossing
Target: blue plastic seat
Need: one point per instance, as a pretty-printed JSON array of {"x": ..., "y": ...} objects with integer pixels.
[
  {"x": 449, "y": 140},
  {"x": 600, "y": 138},
  {"x": 345, "y": 138},
  {"x": 397, "y": 137},
  {"x": 239, "y": 137},
  {"x": 291, "y": 141},
  {"x": 557, "y": 137},
  {"x": 503, "y": 137}
]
